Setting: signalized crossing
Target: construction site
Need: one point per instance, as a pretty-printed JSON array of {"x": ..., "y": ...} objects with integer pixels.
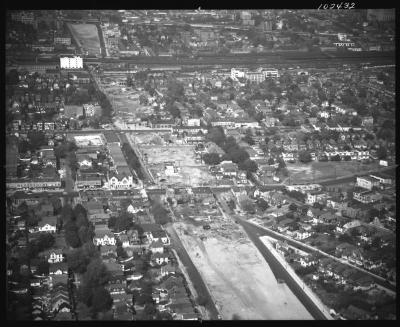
[
  {"x": 169, "y": 162},
  {"x": 239, "y": 279}
]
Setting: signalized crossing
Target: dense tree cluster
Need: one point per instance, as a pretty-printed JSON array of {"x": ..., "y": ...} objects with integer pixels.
[{"x": 161, "y": 215}]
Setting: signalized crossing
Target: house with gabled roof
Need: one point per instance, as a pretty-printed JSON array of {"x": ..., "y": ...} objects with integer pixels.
[
  {"x": 59, "y": 268},
  {"x": 156, "y": 246},
  {"x": 104, "y": 237},
  {"x": 47, "y": 224},
  {"x": 53, "y": 255},
  {"x": 121, "y": 179}
]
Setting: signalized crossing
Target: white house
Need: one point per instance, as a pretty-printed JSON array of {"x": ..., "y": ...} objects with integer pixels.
[
  {"x": 60, "y": 268},
  {"x": 118, "y": 181},
  {"x": 159, "y": 258},
  {"x": 54, "y": 255},
  {"x": 156, "y": 247},
  {"x": 104, "y": 238},
  {"x": 47, "y": 225},
  {"x": 159, "y": 235}
]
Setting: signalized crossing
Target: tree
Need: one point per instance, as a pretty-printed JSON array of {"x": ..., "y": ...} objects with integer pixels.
[
  {"x": 211, "y": 158},
  {"x": 102, "y": 300},
  {"x": 78, "y": 261},
  {"x": 336, "y": 158},
  {"x": 36, "y": 139},
  {"x": 45, "y": 241},
  {"x": 67, "y": 213},
  {"x": 381, "y": 152},
  {"x": 293, "y": 207},
  {"x": 71, "y": 234},
  {"x": 12, "y": 77},
  {"x": 250, "y": 166},
  {"x": 247, "y": 205},
  {"x": 175, "y": 90},
  {"x": 86, "y": 233},
  {"x": 262, "y": 204},
  {"x": 43, "y": 268},
  {"x": 216, "y": 135},
  {"x": 123, "y": 222},
  {"x": 249, "y": 137},
  {"x": 356, "y": 121},
  {"x": 304, "y": 156},
  {"x": 111, "y": 222},
  {"x": 83, "y": 311},
  {"x": 160, "y": 214},
  {"x": 56, "y": 203},
  {"x": 237, "y": 155},
  {"x": 96, "y": 274}
]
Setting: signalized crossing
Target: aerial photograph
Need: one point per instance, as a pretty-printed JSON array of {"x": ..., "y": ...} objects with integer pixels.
[{"x": 200, "y": 164}]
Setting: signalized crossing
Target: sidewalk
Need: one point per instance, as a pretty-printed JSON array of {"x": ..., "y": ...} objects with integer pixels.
[{"x": 297, "y": 279}]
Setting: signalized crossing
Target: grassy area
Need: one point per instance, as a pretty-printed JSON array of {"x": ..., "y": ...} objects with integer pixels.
[
  {"x": 315, "y": 171},
  {"x": 88, "y": 37}
]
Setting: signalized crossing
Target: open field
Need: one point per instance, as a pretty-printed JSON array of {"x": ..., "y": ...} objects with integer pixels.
[
  {"x": 88, "y": 37},
  {"x": 183, "y": 155},
  {"x": 307, "y": 173},
  {"x": 237, "y": 276}
]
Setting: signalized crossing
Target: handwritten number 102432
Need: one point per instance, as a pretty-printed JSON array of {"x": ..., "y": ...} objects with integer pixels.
[{"x": 342, "y": 5}]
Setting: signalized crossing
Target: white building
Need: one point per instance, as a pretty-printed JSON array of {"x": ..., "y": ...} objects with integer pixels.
[
  {"x": 367, "y": 182},
  {"x": 62, "y": 40},
  {"x": 75, "y": 62}
]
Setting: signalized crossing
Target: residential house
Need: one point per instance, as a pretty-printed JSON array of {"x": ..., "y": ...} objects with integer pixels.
[
  {"x": 104, "y": 237},
  {"x": 47, "y": 224},
  {"x": 53, "y": 255},
  {"x": 159, "y": 235},
  {"x": 159, "y": 258},
  {"x": 59, "y": 268}
]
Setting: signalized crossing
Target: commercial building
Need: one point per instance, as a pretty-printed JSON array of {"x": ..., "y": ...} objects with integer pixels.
[
  {"x": 71, "y": 62},
  {"x": 62, "y": 40}
]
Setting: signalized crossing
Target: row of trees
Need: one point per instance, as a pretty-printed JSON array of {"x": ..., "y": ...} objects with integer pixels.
[
  {"x": 94, "y": 301},
  {"x": 78, "y": 229}
]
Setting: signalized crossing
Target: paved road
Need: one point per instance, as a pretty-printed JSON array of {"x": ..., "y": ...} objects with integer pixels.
[{"x": 192, "y": 271}]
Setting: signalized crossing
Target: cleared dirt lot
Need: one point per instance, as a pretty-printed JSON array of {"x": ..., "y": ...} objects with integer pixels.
[
  {"x": 189, "y": 171},
  {"x": 237, "y": 275}
]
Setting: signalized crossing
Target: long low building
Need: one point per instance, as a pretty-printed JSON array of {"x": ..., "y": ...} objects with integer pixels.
[{"x": 34, "y": 183}]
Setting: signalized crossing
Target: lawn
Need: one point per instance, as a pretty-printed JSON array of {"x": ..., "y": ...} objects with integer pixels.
[
  {"x": 316, "y": 171},
  {"x": 88, "y": 37}
]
